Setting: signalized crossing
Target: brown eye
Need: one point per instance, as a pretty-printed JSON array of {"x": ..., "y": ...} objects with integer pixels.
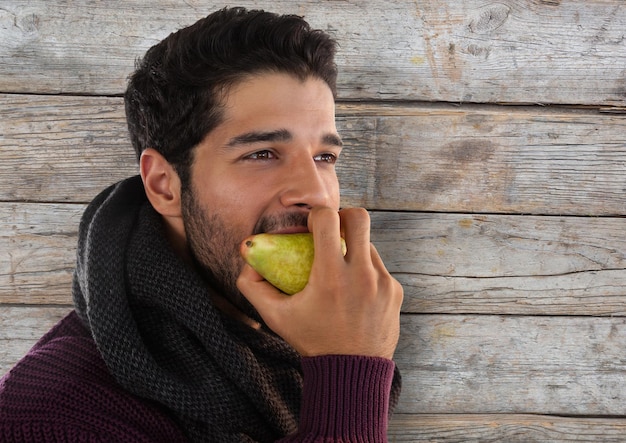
[
  {"x": 326, "y": 158},
  {"x": 261, "y": 155}
]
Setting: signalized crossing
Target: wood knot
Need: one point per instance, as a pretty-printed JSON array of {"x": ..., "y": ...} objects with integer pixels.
[{"x": 489, "y": 18}]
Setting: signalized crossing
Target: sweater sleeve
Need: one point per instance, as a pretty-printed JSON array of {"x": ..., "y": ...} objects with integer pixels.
[{"x": 345, "y": 399}]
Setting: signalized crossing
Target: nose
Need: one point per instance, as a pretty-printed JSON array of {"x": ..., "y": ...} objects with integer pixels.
[{"x": 306, "y": 186}]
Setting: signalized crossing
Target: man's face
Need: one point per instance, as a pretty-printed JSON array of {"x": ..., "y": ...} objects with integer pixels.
[{"x": 261, "y": 170}]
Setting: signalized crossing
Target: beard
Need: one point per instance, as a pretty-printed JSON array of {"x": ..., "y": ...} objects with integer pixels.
[{"x": 214, "y": 246}]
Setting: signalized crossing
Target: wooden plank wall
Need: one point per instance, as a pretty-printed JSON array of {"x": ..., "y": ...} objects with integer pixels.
[{"x": 488, "y": 140}]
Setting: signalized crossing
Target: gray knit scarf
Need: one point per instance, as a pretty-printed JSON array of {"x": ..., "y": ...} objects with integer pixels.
[{"x": 153, "y": 321}]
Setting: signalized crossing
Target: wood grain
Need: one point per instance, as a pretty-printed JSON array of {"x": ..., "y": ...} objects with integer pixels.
[
  {"x": 455, "y": 428},
  {"x": 57, "y": 149},
  {"x": 21, "y": 327},
  {"x": 487, "y": 159},
  {"x": 512, "y": 364},
  {"x": 472, "y": 51},
  {"x": 455, "y": 263},
  {"x": 39, "y": 252}
]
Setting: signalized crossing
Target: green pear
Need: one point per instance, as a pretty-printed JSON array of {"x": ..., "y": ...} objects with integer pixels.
[{"x": 284, "y": 260}]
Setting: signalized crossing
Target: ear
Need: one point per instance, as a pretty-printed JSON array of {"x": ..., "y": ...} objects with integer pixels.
[{"x": 161, "y": 183}]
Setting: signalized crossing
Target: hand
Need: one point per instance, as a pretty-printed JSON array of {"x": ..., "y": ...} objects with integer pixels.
[{"x": 351, "y": 305}]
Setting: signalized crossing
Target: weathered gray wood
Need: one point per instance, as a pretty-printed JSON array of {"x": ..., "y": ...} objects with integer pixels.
[
  {"x": 450, "y": 428},
  {"x": 21, "y": 327},
  {"x": 503, "y": 364},
  {"x": 580, "y": 293},
  {"x": 487, "y": 159},
  {"x": 472, "y": 51},
  {"x": 423, "y": 158},
  {"x": 447, "y": 263},
  {"x": 29, "y": 323},
  {"x": 39, "y": 252},
  {"x": 451, "y": 263},
  {"x": 62, "y": 148}
]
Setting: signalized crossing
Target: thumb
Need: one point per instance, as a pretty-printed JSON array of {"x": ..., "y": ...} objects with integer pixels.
[{"x": 262, "y": 295}]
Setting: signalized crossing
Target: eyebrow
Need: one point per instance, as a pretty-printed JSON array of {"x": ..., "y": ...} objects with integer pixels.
[
  {"x": 280, "y": 135},
  {"x": 332, "y": 140}
]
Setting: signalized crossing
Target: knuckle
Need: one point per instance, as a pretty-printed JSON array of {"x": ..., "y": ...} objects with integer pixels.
[
  {"x": 320, "y": 212},
  {"x": 356, "y": 215},
  {"x": 323, "y": 219}
]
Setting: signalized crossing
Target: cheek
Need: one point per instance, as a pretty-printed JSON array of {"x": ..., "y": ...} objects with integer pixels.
[{"x": 241, "y": 209}]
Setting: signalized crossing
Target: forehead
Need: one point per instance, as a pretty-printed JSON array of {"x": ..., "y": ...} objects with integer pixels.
[{"x": 275, "y": 94}]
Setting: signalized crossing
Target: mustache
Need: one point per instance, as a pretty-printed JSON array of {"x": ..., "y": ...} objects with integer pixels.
[{"x": 276, "y": 223}]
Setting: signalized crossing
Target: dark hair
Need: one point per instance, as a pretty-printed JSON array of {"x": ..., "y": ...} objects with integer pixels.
[{"x": 173, "y": 99}]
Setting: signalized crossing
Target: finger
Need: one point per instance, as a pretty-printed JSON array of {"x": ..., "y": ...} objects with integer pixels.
[
  {"x": 324, "y": 224},
  {"x": 355, "y": 224},
  {"x": 377, "y": 261},
  {"x": 395, "y": 288},
  {"x": 261, "y": 294}
]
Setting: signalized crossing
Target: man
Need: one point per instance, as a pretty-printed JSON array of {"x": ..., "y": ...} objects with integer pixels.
[{"x": 173, "y": 337}]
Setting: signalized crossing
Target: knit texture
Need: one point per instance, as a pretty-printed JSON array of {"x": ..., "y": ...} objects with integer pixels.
[
  {"x": 346, "y": 399},
  {"x": 61, "y": 391}
]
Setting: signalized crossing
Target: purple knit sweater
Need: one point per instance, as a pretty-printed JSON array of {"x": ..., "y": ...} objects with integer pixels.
[{"x": 61, "y": 391}]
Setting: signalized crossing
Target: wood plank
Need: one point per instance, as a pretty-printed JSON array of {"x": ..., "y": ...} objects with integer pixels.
[
  {"x": 62, "y": 148},
  {"x": 486, "y": 159},
  {"x": 455, "y": 263},
  {"x": 21, "y": 327},
  {"x": 449, "y": 428},
  {"x": 471, "y": 51},
  {"x": 463, "y": 364},
  {"x": 447, "y": 263},
  {"x": 421, "y": 158},
  {"x": 39, "y": 241},
  {"x": 512, "y": 364},
  {"x": 581, "y": 293}
]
